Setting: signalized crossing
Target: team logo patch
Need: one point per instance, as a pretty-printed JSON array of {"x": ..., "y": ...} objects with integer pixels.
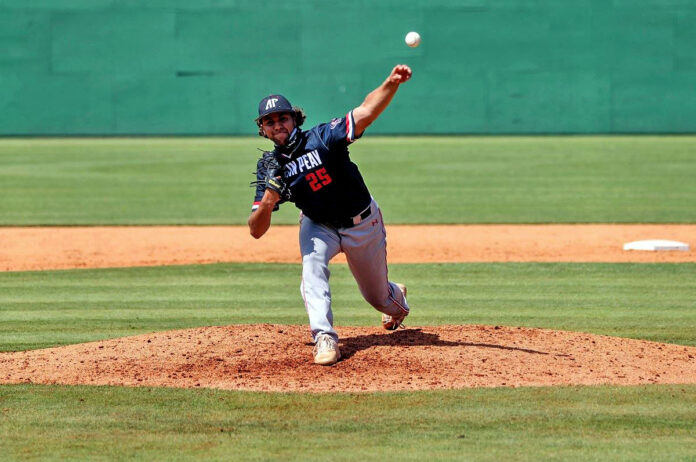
[{"x": 335, "y": 122}]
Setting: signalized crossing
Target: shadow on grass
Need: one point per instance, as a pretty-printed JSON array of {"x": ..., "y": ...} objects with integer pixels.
[{"x": 411, "y": 337}]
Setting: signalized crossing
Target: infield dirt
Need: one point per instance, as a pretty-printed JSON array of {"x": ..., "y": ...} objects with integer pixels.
[
  {"x": 278, "y": 358},
  {"x": 265, "y": 357},
  {"x": 102, "y": 247}
]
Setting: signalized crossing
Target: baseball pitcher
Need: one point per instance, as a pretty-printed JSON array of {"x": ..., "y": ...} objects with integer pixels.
[{"x": 312, "y": 169}]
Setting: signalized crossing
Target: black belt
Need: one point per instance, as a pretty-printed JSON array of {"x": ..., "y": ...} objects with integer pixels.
[{"x": 350, "y": 222}]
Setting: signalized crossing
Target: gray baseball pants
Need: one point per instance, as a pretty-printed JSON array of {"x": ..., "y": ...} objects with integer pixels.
[{"x": 365, "y": 247}]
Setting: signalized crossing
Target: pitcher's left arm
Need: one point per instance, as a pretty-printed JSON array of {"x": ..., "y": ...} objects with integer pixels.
[{"x": 379, "y": 98}]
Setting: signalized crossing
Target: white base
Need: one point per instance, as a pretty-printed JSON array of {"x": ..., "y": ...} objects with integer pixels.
[{"x": 656, "y": 244}]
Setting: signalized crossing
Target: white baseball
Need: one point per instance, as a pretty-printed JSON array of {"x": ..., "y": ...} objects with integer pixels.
[{"x": 413, "y": 39}]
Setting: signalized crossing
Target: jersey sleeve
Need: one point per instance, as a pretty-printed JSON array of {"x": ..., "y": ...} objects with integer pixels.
[
  {"x": 260, "y": 186},
  {"x": 339, "y": 132}
]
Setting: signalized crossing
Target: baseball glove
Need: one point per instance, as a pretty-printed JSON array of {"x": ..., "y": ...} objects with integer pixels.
[{"x": 270, "y": 176}]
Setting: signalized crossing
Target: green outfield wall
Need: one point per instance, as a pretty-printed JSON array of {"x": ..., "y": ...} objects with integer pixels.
[{"x": 119, "y": 67}]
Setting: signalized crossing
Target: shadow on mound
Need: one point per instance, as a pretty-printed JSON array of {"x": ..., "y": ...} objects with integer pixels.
[{"x": 412, "y": 337}]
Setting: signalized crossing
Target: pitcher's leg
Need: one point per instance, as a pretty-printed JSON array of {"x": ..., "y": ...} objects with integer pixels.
[
  {"x": 318, "y": 245},
  {"x": 365, "y": 246}
]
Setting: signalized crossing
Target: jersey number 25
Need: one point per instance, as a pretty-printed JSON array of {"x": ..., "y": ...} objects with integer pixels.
[{"x": 318, "y": 179}]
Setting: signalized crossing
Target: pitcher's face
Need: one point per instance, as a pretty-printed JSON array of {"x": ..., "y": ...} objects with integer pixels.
[{"x": 278, "y": 127}]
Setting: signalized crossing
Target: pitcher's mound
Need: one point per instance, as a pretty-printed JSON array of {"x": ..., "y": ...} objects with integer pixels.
[{"x": 279, "y": 358}]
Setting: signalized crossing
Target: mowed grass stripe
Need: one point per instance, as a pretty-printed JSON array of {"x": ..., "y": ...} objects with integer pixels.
[
  {"x": 646, "y": 301},
  {"x": 644, "y": 423},
  {"x": 415, "y": 180}
]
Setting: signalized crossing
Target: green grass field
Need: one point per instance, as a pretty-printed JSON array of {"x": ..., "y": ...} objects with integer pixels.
[
  {"x": 648, "y": 301},
  {"x": 528, "y": 424},
  {"x": 416, "y": 180}
]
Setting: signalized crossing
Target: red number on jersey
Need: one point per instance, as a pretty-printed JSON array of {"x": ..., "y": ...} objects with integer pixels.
[{"x": 318, "y": 179}]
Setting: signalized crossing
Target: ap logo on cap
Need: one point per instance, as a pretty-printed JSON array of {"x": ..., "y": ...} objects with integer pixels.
[{"x": 274, "y": 103}]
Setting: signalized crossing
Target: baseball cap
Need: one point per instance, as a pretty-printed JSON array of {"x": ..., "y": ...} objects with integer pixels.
[{"x": 273, "y": 103}]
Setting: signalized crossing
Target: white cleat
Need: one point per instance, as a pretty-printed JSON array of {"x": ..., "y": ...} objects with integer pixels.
[
  {"x": 326, "y": 350},
  {"x": 396, "y": 321}
]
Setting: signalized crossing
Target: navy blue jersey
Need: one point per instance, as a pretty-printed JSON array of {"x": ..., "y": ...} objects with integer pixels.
[{"x": 324, "y": 183}]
